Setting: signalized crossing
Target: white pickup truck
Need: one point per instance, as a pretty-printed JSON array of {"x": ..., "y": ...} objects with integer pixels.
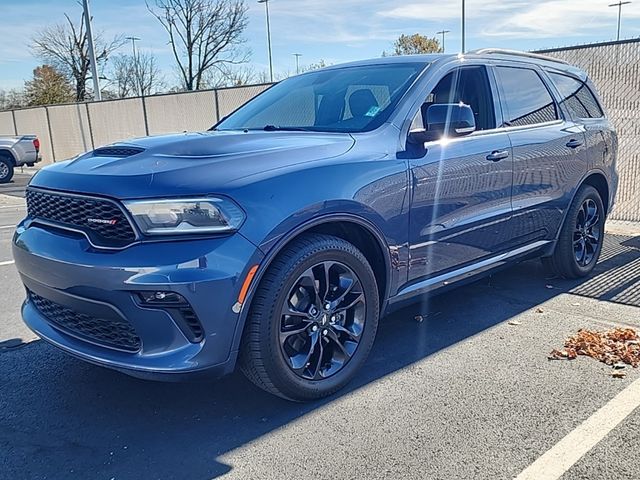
[{"x": 16, "y": 152}]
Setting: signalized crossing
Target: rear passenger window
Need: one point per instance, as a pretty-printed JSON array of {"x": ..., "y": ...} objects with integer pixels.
[
  {"x": 526, "y": 97},
  {"x": 577, "y": 96}
]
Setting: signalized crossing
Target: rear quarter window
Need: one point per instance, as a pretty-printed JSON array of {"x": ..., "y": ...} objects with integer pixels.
[
  {"x": 576, "y": 96},
  {"x": 527, "y": 100}
]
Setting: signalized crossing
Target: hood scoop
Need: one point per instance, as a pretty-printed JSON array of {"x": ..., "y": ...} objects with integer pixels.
[{"x": 120, "y": 152}]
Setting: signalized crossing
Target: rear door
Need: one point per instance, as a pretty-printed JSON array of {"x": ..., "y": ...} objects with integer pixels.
[
  {"x": 549, "y": 152},
  {"x": 461, "y": 203}
]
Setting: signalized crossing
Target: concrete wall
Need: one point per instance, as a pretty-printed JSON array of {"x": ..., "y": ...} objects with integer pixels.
[{"x": 67, "y": 130}]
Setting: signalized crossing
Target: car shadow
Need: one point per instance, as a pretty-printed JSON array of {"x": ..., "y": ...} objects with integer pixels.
[
  {"x": 11, "y": 343},
  {"x": 62, "y": 418}
]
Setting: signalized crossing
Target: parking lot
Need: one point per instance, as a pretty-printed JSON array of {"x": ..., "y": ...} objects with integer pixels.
[{"x": 466, "y": 393}]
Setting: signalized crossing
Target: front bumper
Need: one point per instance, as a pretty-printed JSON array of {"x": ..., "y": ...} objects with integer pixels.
[{"x": 66, "y": 270}]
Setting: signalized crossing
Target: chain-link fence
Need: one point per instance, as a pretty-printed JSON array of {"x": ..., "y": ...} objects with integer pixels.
[{"x": 614, "y": 68}]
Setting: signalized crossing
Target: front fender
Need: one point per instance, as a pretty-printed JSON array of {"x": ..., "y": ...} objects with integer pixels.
[
  {"x": 367, "y": 188},
  {"x": 375, "y": 190},
  {"x": 328, "y": 211}
]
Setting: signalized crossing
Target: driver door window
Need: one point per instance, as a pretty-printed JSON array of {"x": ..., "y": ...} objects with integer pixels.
[{"x": 468, "y": 85}]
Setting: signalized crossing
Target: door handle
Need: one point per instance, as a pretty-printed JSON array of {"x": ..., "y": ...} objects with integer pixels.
[
  {"x": 573, "y": 143},
  {"x": 497, "y": 155}
]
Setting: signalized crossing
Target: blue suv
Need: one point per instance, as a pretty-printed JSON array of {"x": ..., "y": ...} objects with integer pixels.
[{"x": 277, "y": 239}]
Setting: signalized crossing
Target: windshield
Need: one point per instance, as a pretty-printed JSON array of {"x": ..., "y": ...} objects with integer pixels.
[{"x": 348, "y": 100}]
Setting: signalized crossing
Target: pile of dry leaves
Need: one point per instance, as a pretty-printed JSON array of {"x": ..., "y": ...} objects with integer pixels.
[{"x": 615, "y": 347}]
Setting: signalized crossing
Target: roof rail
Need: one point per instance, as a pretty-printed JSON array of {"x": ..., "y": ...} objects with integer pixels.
[{"x": 504, "y": 51}]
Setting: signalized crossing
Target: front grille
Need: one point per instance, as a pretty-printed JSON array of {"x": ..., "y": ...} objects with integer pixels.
[
  {"x": 102, "y": 220},
  {"x": 110, "y": 333},
  {"x": 117, "y": 151}
]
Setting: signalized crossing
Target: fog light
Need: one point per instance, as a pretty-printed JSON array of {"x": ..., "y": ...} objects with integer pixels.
[{"x": 162, "y": 298}]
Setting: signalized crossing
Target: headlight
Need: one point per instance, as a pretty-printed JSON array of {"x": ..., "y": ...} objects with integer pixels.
[{"x": 198, "y": 215}]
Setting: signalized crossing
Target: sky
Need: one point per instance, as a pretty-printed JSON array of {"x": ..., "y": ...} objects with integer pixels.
[{"x": 333, "y": 30}]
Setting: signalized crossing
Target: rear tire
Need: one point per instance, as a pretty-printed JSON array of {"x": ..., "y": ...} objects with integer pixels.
[
  {"x": 6, "y": 169},
  {"x": 312, "y": 321},
  {"x": 581, "y": 237}
]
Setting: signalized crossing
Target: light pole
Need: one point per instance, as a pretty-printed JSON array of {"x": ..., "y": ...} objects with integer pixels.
[
  {"x": 133, "y": 44},
  {"x": 266, "y": 6},
  {"x": 97, "y": 95},
  {"x": 619, "y": 5},
  {"x": 297, "y": 55},
  {"x": 136, "y": 63},
  {"x": 443, "y": 33},
  {"x": 463, "y": 27}
]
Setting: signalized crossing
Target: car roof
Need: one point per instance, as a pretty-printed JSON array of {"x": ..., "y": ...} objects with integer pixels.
[
  {"x": 488, "y": 54},
  {"x": 395, "y": 59}
]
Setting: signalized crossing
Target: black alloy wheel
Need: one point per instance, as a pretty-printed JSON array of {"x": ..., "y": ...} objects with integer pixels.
[
  {"x": 313, "y": 319},
  {"x": 322, "y": 320},
  {"x": 587, "y": 235}
]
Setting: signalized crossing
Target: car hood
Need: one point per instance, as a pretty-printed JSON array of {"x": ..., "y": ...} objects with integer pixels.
[{"x": 189, "y": 163}]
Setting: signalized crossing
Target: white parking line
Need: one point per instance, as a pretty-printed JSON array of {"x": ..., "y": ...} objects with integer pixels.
[
  {"x": 8, "y": 262},
  {"x": 564, "y": 454},
  {"x": 6, "y": 207},
  {"x": 6, "y": 227}
]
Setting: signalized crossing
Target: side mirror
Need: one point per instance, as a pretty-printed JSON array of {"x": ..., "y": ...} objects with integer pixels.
[{"x": 445, "y": 120}]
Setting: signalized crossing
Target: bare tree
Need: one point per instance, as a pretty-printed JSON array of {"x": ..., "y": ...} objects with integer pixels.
[
  {"x": 203, "y": 34},
  {"x": 12, "y": 99},
  {"x": 123, "y": 76},
  {"x": 137, "y": 75},
  {"x": 230, "y": 76},
  {"x": 64, "y": 46}
]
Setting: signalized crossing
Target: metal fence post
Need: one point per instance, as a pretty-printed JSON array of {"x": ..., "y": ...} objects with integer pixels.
[
  {"x": 53, "y": 150},
  {"x": 93, "y": 143},
  {"x": 15, "y": 125},
  {"x": 215, "y": 95},
  {"x": 144, "y": 114}
]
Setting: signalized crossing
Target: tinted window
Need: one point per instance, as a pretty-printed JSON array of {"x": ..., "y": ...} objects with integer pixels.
[
  {"x": 577, "y": 96},
  {"x": 350, "y": 99},
  {"x": 527, "y": 99},
  {"x": 469, "y": 85}
]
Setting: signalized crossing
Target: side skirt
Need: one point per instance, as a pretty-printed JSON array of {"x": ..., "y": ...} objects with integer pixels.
[{"x": 467, "y": 274}]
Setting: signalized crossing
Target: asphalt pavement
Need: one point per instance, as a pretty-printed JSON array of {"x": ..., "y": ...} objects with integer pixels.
[{"x": 466, "y": 393}]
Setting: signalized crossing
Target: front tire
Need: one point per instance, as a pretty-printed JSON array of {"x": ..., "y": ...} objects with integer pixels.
[
  {"x": 6, "y": 169},
  {"x": 581, "y": 238},
  {"x": 313, "y": 319}
]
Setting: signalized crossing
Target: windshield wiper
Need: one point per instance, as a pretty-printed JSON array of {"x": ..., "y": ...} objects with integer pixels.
[{"x": 277, "y": 128}]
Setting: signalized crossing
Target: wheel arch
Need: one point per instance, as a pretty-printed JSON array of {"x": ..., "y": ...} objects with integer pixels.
[
  {"x": 598, "y": 181},
  {"x": 5, "y": 152},
  {"x": 362, "y": 237},
  {"x": 354, "y": 229}
]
